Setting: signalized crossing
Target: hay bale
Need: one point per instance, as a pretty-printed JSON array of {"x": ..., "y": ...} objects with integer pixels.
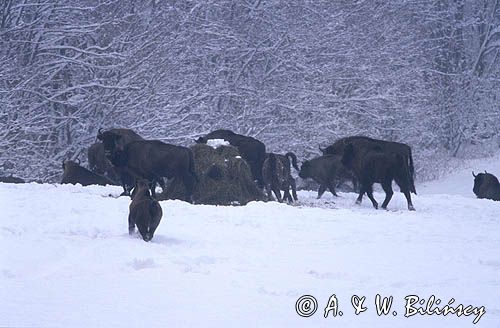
[{"x": 224, "y": 178}]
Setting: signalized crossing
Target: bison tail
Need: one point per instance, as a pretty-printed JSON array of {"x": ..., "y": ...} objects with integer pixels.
[
  {"x": 412, "y": 175},
  {"x": 403, "y": 163},
  {"x": 293, "y": 159}
]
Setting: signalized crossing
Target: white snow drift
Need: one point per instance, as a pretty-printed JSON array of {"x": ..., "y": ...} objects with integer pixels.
[{"x": 68, "y": 261}]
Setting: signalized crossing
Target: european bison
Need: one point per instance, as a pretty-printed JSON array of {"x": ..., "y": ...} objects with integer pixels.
[
  {"x": 152, "y": 160},
  {"x": 277, "y": 176},
  {"x": 100, "y": 164},
  {"x": 486, "y": 185},
  {"x": 11, "y": 179},
  {"x": 145, "y": 211},
  {"x": 74, "y": 173},
  {"x": 252, "y": 150},
  {"x": 372, "y": 166},
  {"x": 328, "y": 171},
  {"x": 367, "y": 143}
]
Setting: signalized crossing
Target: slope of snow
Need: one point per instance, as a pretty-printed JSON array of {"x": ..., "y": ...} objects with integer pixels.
[{"x": 66, "y": 259}]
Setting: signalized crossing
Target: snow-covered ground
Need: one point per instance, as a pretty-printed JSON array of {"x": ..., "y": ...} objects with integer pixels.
[{"x": 66, "y": 259}]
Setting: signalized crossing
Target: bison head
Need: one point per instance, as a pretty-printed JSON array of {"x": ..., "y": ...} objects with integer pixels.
[
  {"x": 201, "y": 140},
  {"x": 305, "y": 170},
  {"x": 69, "y": 163},
  {"x": 111, "y": 141},
  {"x": 478, "y": 181},
  {"x": 334, "y": 149}
]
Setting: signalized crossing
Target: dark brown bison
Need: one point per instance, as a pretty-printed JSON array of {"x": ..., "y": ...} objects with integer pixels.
[
  {"x": 74, "y": 173},
  {"x": 366, "y": 143},
  {"x": 145, "y": 211},
  {"x": 152, "y": 160},
  {"x": 251, "y": 150},
  {"x": 486, "y": 185},
  {"x": 328, "y": 171},
  {"x": 100, "y": 164},
  {"x": 372, "y": 166},
  {"x": 11, "y": 179},
  {"x": 277, "y": 176}
]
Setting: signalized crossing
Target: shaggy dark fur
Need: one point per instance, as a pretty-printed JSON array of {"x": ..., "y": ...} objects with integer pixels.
[
  {"x": 74, "y": 173},
  {"x": 328, "y": 171},
  {"x": 124, "y": 136},
  {"x": 152, "y": 160},
  {"x": 99, "y": 164},
  {"x": 363, "y": 143},
  {"x": 145, "y": 212},
  {"x": 277, "y": 176},
  {"x": 486, "y": 185},
  {"x": 372, "y": 166}
]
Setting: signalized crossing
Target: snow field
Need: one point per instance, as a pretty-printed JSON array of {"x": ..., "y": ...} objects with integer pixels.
[{"x": 68, "y": 261}]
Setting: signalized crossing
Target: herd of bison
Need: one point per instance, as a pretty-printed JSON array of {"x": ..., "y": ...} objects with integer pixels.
[{"x": 123, "y": 157}]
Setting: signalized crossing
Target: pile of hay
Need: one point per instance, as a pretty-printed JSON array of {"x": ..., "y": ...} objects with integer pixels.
[{"x": 224, "y": 178}]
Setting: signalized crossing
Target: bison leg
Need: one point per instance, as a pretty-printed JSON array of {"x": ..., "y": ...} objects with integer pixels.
[
  {"x": 331, "y": 187},
  {"x": 361, "y": 193},
  {"x": 189, "y": 181},
  {"x": 387, "y": 186},
  {"x": 369, "y": 192},
  {"x": 321, "y": 191},
  {"x": 128, "y": 183},
  {"x": 287, "y": 196},
  {"x": 277, "y": 192},
  {"x": 408, "y": 200},
  {"x": 405, "y": 189},
  {"x": 152, "y": 187},
  {"x": 131, "y": 224},
  {"x": 294, "y": 188},
  {"x": 269, "y": 193},
  {"x": 125, "y": 192},
  {"x": 355, "y": 184}
]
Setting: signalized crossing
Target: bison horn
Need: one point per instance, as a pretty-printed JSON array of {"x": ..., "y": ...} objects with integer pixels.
[
  {"x": 485, "y": 172},
  {"x": 77, "y": 160},
  {"x": 99, "y": 132},
  {"x": 473, "y": 174}
]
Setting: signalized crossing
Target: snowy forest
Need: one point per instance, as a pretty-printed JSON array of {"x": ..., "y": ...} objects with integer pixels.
[{"x": 293, "y": 74}]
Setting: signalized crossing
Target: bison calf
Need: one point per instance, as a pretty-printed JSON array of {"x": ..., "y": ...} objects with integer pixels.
[
  {"x": 328, "y": 171},
  {"x": 381, "y": 167},
  {"x": 277, "y": 176},
  {"x": 486, "y": 185},
  {"x": 145, "y": 211}
]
